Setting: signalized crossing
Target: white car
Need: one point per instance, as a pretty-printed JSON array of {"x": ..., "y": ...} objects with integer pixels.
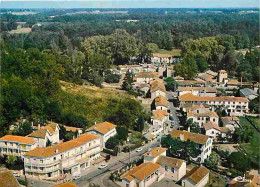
[
  {"x": 16, "y": 174},
  {"x": 139, "y": 150},
  {"x": 76, "y": 177},
  {"x": 102, "y": 166}
]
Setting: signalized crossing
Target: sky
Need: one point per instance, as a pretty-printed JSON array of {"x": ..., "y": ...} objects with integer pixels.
[{"x": 130, "y": 4}]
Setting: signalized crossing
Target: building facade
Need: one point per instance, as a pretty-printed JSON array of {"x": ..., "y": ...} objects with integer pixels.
[
  {"x": 64, "y": 158},
  {"x": 16, "y": 145}
]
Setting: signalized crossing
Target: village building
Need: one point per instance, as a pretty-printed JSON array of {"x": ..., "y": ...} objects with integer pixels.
[
  {"x": 198, "y": 91},
  {"x": 16, "y": 145},
  {"x": 161, "y": 103},
  {"x": 68, "y": 158},
  {"x": 234, "y": 106},
  {"x": 157, "y": 88},
  {"x": 105, "y": 130},
  {"x": 76, "y": 130},
  {"x": 143, "y": 175},
  {"x": 47, "y": 135},
  {"x": 196, "y": 177},
  {"x": 248, "y": 93},
  {"x": 222, "y": 76},
  {"x": 202, "y": 115},
  {"x": 233, "y": 84},
  {"x": 178, "y": 78},
  {"x": 159, "y": 118},
  {"x": 213, "y": 130},
  {"x": 188, "y": 107},
  {"x": 230, "y": 122},
  {"x": 159, "y": 59},
  {"x": 204, "y": 143},
  {"x": 146, "y": 77},
  {"x": 172, "y": 168},
  {"x": 191, "y": 83}
]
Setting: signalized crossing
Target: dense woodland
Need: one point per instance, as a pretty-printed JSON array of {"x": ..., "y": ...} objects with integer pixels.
[{"x": 82, "y": 48}]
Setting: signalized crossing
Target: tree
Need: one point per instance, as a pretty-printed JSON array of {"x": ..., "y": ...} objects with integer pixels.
[
  {"x": 213, "y": 161},
  {"x": 140, "y": 124},
  {"x": 239, "y": 161},
  {"x": 122, "y": 133},
  {"x": 193, "y": 126},
  {"x": 188, "y": 67},
  {"x": 24, "y": 129},
  {"x": 136, "y": 138},
  {"x": 112, "y": 142},
  {"x": 171, "y": 84},
  {"x": 10, "y": 160}
]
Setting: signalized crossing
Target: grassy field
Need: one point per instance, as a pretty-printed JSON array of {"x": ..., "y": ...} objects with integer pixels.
[
  {"x": 255, "y": 120},
  {"x": 94, "y": 103},
  {"x": 174, "y": 52},
  {"x": 244, "y": 122},
  {"x": 216, "y": 180},
  {"x": 21, "y": 31}
]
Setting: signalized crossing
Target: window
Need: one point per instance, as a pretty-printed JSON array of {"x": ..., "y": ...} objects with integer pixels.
[
  {"x": 173, "y": 170},
  {"x": 212, "y": 132},
  {"x": 166, "y": 168},
  {"x": 214, "y": 119},
  {"x": 54, "y": 158}
]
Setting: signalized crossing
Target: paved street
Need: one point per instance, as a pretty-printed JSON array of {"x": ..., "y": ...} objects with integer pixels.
[
  {"x": 170, "y": 95},
  {"x": 100, "y": 176}
]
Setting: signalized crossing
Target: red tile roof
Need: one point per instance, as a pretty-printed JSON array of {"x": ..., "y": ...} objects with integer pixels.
[
  {"x": 20, "y": 139},
  {"x": 191, "y": 97},
  {"x": 103, "y": 128}
]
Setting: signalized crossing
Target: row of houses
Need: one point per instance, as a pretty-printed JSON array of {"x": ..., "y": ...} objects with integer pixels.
[{"x": 157, "y": 165}]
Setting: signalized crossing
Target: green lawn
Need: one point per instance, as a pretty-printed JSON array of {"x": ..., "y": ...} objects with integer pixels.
[
  {"x": 216, "y": 180},
  {"x": 244, "y": 122},
  {"x": 255, "y": 120}
]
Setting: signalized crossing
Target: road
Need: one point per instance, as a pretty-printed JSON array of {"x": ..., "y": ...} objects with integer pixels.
[
  {"x": 100, "y": 176},
  {"x": 170, "y": 95}
]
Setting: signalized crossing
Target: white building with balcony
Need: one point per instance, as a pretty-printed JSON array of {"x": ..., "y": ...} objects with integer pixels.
[
  {"x": 16, "y": 145},
  {"x": 204, "y": 143},
  {"x": 105, "y": 130},
  {"x": 64, "y": 158},
  {"x": 47, "y": 133}
]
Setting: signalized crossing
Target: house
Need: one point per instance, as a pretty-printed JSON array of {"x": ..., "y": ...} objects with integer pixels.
[
  {"x": 230, "y": 122},
  {"x": 48, "y": 134},
  {"x": 16, "y": 145},
  {"x": 66, "y": 184},
  {"x": 159, "y": 59},
  {"x": 222, "y": 76},
  {"x": 157, "y": 88},
  {"x": 169, "y": 71},
  {"x": 146, "y": 77},
  {"x": 234, "y": 106},
  {"x": 178, "y": 78},
  {"x": 76, "y": 130},
  {"x": 204, "y": 142},
  {"x": 105, "y": 130},
  {"x": 233, "y": 84},
  {"x": 161, "y": 103},
  {"x": 154, "y": 153},
  {"x": 196, "y": 177},
  {"x": 7, "y": 178},
  {"x": 248, "y": 93},
  {"x": 69, "y": 157},
  {"x": 191, "y": 83},
  {"x": 172, "y": 168},
  {"x": 247, "y": 180},
  {"x": 202, "y": 115},
  {"x": 213, "y": 130},
  {"x": 159, "y": 117},
  {"x": 188, "y": 107},
  {"x": 143, "y": 175},
  {"x": 207, "y": 77},
  {"x": 198, "y": 91}
]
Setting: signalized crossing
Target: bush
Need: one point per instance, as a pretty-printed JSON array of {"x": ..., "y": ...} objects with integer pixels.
[
  {"x": 240, "y": 161},
  {"x": 122, "y": 133},
  {"x": 112, "y": 78},
  {"x": 112, "y": 143}
]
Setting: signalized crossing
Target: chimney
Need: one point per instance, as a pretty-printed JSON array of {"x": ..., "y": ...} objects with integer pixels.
[
  {"x": 39, "y": 126},
  {"x": 189, "y": 129},
  {"x": 95, "y": 123},
  {"x": 182, "y": 137},
  {"x": 32, "y": 123},
  {"x": 56, "y": 150}
]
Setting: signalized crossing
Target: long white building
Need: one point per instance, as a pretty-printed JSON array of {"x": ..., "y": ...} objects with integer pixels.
[
  {"x": 234, "y": 106},
  {"x": 64, "y": 158}
]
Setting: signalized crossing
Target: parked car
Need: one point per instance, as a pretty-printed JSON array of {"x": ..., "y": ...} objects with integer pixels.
[
  {"x": 76, "y": 177},
  {"x": 139, "y": 149},
  {"x": 16, "y": 174},
  {"x": 102, "y": 166}
]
